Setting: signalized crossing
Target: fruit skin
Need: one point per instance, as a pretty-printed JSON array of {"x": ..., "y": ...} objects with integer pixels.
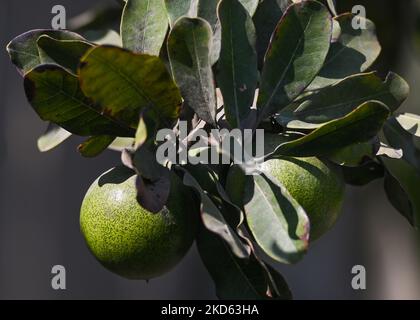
[
  {"x": 129, "y": 240},
  {"x": 317, "y": 187}
]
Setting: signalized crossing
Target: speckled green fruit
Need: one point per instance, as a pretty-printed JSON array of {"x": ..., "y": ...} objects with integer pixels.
[
  {"x": 315, "y": 185},
  {"x": 126, "y": 238}
]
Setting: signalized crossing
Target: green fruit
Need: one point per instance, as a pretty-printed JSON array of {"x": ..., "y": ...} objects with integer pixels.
[
  {"x": 126, "y": 238},
  {"x": 317, "y": 187}
]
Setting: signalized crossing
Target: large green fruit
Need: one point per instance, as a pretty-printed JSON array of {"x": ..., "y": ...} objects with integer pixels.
[
  {"x": 317, "y": 186},
  {"x": 126, "y": 238}
]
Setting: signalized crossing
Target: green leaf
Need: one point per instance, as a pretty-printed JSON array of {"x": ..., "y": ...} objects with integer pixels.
[
  {"x": 238, "y": 74},
  {"x": 353, "y": 52},
  {"x": 398, "y": 197},
  {"x": 234, "y": 278},
  {"x": 266, "y": 19},
  {"x": 189, "y": 46},
  {"x": 125, "y": 83},
  {"x": 279, "y": 288},
  {"x": 355, "y": 154},
  {"x": 94, "y": 146},
  {"x": 55, "y": 95},
  {"x": 23, "y": 49},
  {"x": 360, "y": 125},
  {"x": 214, "y": 220},
  {"x": 338, "y": 100},
  {"x": 65, "y": 53},
  {"x": 53, "y": 137},
  {"x": 208, "y": 11},
  {"x": 402, "y": 186},
  {"x": 403, "y": 189},
  {"x": 178, "y": 8},
  {"x": 297, "y": 52},
  {"x": 278, "y": 223},
  {"x": 143, "y": 26}
]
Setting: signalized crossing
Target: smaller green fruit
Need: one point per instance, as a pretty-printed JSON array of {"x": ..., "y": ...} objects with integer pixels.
[{"x": 126, "y": 238}]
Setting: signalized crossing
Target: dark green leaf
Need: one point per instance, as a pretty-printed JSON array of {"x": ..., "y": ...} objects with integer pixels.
[
  {"x": 234, "y": 278},
  {"x": 53, "y": 137},
  {"x": 23, "y": 49},
  {"x": 297, "y": 52},
  {"x": 94, "y": 146},
  {"x": 338, "y": 100},
  {"x": 402, "y": 186},
  {"x": 208, "y": 11},
  {"x": 65, "y": 53},
  {"x": 214, "y": 220},
  {"x": 398, "y": 197},
  {"x": 360, "y": 125},
  {"x": 353, "y": 52},
  {"x": 266, "y": 19},
  {"x": 279, "y": 288},
  {"x": 189, "y": 46},
  {"x": 143, "y": 26},
  {"x": 278, "y": 223},
  {"x": 238, "y": 74},
  {"x": 55, "y": 95},
  {"x": 403, "y": 189},
  {"x": 125, "y": 83}
]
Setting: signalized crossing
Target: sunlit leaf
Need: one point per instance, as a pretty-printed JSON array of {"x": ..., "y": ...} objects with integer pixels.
[
  {"x": 278, "y": 223},
  {"x": 53, "y": 137},
  {"x": 143, "y": 26},
  {"x": 297, "y": 52},
  {"x": 125, "y": 83},
  {"x": 55, "y": 95},
  {"x": 358, "y": 126},
  {"x": 189, "y": 46},
  {"x": 353, "y": 52},
  {"x": 338, "y": 100},
  {"x": 94, "y": 146},
  {"x": 23, "y": 49}
]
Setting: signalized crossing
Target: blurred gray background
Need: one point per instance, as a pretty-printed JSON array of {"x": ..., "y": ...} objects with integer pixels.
[{"x": 40, "y": 197}]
